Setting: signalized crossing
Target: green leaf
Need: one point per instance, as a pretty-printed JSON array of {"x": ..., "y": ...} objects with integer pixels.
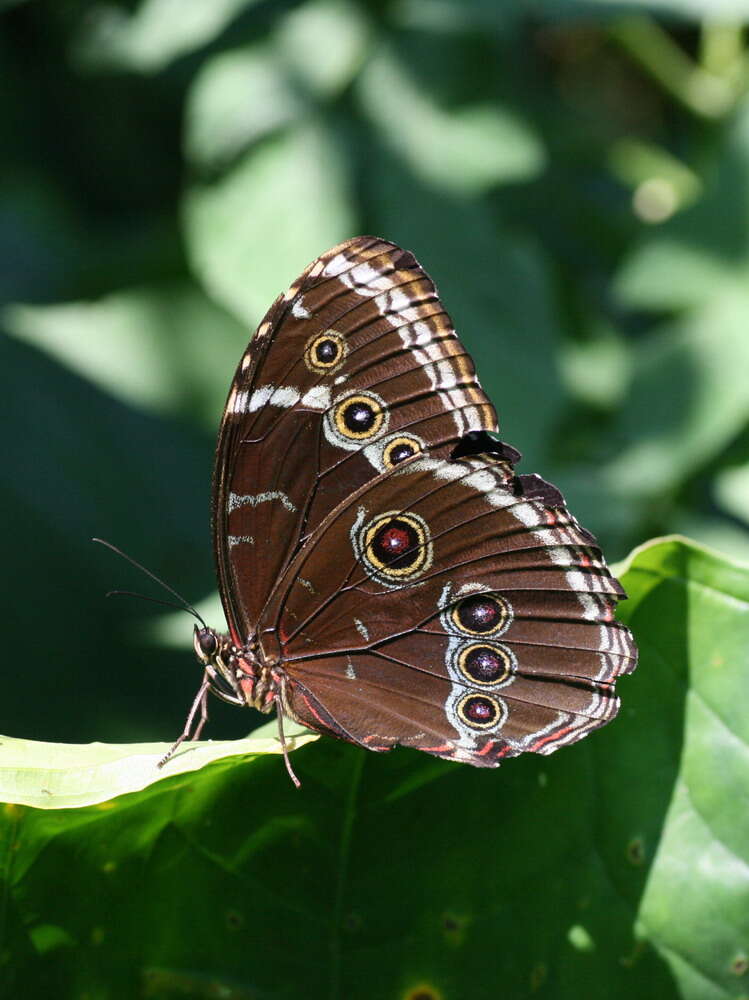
[
  {"x": 164, "y": 348},
  {"x": 464, "y": 150},
  {"x": 155, "y": 34},
  {"x": 689, "y": 398},
  {"x": 251, "y": 232},
  {"x": 235, "y": 99},
  {"x": 621, "y": 863},
  {"x": 241, "y": 95},
  {"x": 690, "y": 610},
  {"x": 732, "y": 491},
  {"x": 323, "y": 42},
  {"x": 62, "y": 775},
  {"x": 701, "y": 254},
  {"x": 716, "y": 532}
]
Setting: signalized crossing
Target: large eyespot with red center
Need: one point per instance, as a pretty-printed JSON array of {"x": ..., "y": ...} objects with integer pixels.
[
  {"x": 395, "y": 547},
  {"x": 481, "y": 615},
  {"x": 324, "y": 352},
  {"x": 481, "y": 711},
  {"x": 355, "y": 419},
  {"x": 485, "y": 664}
]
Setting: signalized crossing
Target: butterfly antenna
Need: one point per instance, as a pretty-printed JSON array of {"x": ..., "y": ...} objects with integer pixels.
[
  {"x": 134, "y": 562},
  {"x": 145, "y": 597}
]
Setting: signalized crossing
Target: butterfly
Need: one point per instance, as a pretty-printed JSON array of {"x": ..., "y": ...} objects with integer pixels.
[{"x": 387, "y": 578}]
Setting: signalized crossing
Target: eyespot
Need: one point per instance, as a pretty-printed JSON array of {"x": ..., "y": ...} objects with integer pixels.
[
  {"x": 325, "y": 352},
  {"x": 399, "y": 449},
  {"x": 395, "y": 547},
  {"x": 481, "y": 711},
  {"x": 485, "y": 664},
  {"x": 358, "y": 417},
  {"x": 481, "y": 615},
  {"x": 389, "y": 451},
  {"x": 355, "y": 419}
]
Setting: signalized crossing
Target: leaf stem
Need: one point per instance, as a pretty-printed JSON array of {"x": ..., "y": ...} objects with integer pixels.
[{"x": 702, "y": 91}]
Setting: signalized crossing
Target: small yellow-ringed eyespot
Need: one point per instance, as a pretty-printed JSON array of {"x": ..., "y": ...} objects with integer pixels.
[
  {"x": 481, "y": 711},
  {"x": 324, "y": 352},
  {"x": 359, "y": 417},
  {"x": 397, "y": 545},
  {"x": 399, "y": 449},
  {"x": 484, "y": 664},
  {"x": 481, "y": 615}
]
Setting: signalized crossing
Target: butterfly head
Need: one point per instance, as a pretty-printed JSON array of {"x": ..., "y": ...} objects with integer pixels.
[
  {"x": 217, "y": 654},
  {"x": 206, "y": 643}
]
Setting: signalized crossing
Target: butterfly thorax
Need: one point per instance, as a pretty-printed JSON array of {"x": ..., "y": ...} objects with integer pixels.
[{"x": 239, "y": 675}]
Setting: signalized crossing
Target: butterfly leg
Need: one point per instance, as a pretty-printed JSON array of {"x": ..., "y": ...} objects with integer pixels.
[
  {"x": 282, "y": 740},
  {"x": 203, "y": 713},
  {"x": 199, "y": 702}
]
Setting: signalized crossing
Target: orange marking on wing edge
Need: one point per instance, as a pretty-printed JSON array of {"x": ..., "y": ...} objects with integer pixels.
[
  {"x": 316, "y": 714},
  {"x": 550, "y": 737}
]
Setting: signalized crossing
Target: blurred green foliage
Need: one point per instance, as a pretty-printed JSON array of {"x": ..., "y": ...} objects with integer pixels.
[{"x": 573, "y": 175}]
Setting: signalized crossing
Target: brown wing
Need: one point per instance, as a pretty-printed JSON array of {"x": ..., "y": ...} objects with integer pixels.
[
  {"x": 355, "y": 368},
  {"x": 449, "y": 607}
]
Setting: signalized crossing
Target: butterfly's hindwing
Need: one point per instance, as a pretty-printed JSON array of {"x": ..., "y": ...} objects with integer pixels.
[{"x": 489, "y": 614}]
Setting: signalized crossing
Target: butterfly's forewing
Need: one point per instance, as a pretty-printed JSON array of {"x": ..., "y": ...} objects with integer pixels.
[
  {"x": 446, "y": 607},
  {"x": 356, "y": 368}
]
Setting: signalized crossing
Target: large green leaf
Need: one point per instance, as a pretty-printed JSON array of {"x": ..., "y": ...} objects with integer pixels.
[
  {"x": 60, "y": 775},
  {"x": 165, "y": 348},
  {"x": 694, "y": 609},
  {"x": 242, "y": 94},
  {"x": 158, "y": 32},
  {"x": 689, "y": 398},
  {"x": 461, "y": 151},
  {"x": 251, "y": 232},
  {"x": 616, "y": 868},
  {"x": 701, "y": 254}
]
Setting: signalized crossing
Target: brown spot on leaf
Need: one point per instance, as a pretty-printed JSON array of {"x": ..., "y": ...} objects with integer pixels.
[
  {"x": 234, "y": 920},
  {"x": 636, "y": 851},
  {"x": 739, "y": 965}
]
